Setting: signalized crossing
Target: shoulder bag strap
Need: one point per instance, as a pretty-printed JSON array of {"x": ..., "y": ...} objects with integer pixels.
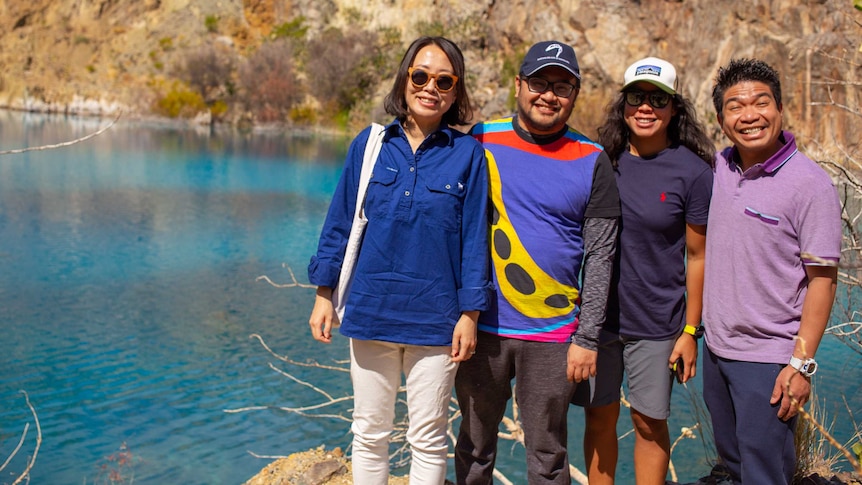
[{"x": 372, "y": 150}]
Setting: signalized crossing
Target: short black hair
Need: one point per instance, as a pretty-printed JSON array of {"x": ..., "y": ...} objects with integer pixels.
[
  {"x": 461, "y": 110},
  {"x": 740, "y": 70}
]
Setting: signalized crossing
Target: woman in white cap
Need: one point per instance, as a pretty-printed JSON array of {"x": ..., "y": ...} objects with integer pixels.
[{"x": 662, "y": 160}]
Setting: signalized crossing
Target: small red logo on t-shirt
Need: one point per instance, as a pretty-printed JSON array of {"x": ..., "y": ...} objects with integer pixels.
[{"x": 663, "y": 197}]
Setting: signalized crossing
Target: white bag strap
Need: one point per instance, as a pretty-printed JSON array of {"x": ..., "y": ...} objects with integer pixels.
[{"x": 372, "y": 150}]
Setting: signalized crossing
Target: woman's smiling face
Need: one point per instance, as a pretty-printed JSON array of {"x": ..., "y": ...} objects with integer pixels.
[
  {"x": 426, "y": 105},
  {"x": 645, "y": 121}
]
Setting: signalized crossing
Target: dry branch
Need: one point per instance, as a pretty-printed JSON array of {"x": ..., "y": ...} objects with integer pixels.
[
  {"x": 808, "y": 417},
  {"x": 287, "y": 285},
  {"x": 401, "y": 455},
  {"x": 17, "y": 448},
  {"x": 684, "y": 433},
  {"x": 25, "y": 474},
  {"x": 826, "y": 434},
  {"x": 64, "y": 144}
]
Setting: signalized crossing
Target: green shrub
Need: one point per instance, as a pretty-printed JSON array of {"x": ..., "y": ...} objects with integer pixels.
[
  {"x": 218, "y": 108},
  {"x": 154, "y": 57},
  {"x": 180, "y": 102},
  {"x": 433, "y": 28},
  {"x": 290, "y": 30},
  {"x": 303, "y": 114},
  {"x": 342, "y": 119},
  {"x": 211, "y": 23},
  {"x": 511, "y": 66}
]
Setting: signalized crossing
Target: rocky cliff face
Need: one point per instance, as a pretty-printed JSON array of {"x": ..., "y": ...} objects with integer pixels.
[{"x": 98, "y": 56}]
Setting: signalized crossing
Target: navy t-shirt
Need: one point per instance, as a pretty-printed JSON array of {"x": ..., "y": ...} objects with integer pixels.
[{"x": 659, "y": 195}]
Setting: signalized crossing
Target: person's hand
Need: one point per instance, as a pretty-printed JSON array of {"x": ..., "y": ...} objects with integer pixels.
[
  {"x": 792, "y": 389},
  {"x": 464, "y": 337},
  {"x": 322, "y": 315},
  {"x": 685, "y": 347},
  {"x": 580, "y": 363}
]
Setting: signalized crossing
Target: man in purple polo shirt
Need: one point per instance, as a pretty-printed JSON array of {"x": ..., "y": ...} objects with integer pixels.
[{"x": 772, "y": 251}]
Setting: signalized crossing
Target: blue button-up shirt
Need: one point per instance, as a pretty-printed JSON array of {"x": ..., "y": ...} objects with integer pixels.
[{"x": 424, "y": 258}]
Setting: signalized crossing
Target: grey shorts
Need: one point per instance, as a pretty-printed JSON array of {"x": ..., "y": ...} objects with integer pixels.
[{"x": 648, "y": 378}]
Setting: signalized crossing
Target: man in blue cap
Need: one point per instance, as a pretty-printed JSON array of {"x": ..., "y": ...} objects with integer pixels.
[{"x": 555, "y": 212}]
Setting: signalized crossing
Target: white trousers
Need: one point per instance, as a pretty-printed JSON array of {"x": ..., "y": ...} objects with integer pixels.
[{"x": 375, "y": 369}]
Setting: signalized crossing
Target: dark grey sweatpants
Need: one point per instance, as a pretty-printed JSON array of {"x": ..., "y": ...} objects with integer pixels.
[{"x": 484, "y": 386}]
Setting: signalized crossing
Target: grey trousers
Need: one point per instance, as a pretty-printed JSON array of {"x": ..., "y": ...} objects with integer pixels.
[{"x": 483, "y": 386}]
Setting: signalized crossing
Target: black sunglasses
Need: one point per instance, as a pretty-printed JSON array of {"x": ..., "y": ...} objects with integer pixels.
[
  {"x": 539, "y": 85},
  {"x": 420, "y": 77},
  {"x": 656, "y": 99}
]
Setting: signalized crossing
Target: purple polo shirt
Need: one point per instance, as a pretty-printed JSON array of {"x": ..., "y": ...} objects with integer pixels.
[{"x": 761, "y": 222}]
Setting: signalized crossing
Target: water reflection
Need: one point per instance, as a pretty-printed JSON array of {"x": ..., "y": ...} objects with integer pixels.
[{"x": 127, "y": 283}]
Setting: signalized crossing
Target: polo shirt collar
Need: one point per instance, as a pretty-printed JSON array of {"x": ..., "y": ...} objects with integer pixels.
[{"x": 778, "y": 159}]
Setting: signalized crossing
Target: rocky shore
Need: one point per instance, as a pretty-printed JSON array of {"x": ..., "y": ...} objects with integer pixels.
[
  {"x": 331, "y": 467},
  {"x": 313, "y": 467}
]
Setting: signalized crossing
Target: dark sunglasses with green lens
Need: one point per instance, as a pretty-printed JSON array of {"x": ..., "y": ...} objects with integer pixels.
[
  {"x": 420, "y": 77},
  {"x": 656, "y": 99}
]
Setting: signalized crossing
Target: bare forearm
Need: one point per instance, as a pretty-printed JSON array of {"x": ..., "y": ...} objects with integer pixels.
[
  {"x": 695, "y": 251},
  {"x": 694, "y": 291},
  {"x": 816, "y": 309}
]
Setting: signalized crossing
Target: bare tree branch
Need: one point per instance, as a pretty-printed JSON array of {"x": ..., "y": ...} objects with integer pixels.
[
  {"x": 17, "y": 448},
  {"x": 25, "y": 474},
  {"x": 826, "y": 434},
  {"x": 288, "y": 285},
  {"x": 400, "y": 456},
  {"x": 288, "y": 360},
  {"x": 64, "y": 144},
  {"x": 268, "y": 457},
  {"x": 684, "y": 433}
]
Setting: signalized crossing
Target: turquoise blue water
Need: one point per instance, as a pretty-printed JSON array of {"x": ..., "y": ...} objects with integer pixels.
[{"x": 128, "y": 291}]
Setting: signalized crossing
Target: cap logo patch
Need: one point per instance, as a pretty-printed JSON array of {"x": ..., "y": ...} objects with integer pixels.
[
  {"x": 648, "y": 70},
  {"x": 556, "y": 56},
  {"x": 558, "y": 47}
]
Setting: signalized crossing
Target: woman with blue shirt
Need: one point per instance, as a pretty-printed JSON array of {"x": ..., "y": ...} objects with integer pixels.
[
  {"x": 662, "y": 159},
  {"x": 421, "y": 277}
]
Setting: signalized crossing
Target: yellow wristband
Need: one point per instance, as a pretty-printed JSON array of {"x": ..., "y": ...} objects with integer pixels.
[{"x": 695, "y": 332}]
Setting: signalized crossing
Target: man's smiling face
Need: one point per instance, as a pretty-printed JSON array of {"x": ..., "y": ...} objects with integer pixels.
[{"x": 752, "y": 120}]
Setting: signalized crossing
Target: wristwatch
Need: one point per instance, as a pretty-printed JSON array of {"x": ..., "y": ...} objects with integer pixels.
[
  {"x": 696, "y": 332},
  {"x": 805, "y": 367}
]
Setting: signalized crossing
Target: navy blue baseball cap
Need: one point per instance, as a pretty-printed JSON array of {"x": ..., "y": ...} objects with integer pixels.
[{"x": 550, "y": 53}]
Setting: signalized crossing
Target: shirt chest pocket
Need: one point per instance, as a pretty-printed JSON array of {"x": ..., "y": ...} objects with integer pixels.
[
  {"x": 766, "y": 218},
  {"x": 443, "y": 202},
  {"x": 378, "y": 198}
]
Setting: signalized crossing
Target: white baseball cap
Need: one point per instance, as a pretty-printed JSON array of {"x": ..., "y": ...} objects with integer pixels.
[{"x": 654, "y": 71}]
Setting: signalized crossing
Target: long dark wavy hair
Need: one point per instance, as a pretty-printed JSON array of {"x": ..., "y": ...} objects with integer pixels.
[
  {"x": 684, "y": 129},
  {"x": 461, "y": 110}
]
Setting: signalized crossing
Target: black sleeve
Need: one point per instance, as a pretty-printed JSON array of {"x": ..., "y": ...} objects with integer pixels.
[
  {"x": 605, "y": 197},
  {"x": 600, "y": 236}
]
